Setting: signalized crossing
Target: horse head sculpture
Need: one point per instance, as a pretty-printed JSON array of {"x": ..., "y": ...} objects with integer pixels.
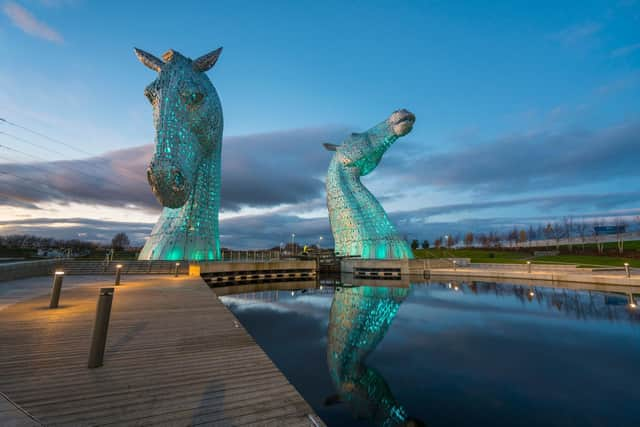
[
  {"x": 359, "y": 224},
  {"x": 184, "y": 173}
]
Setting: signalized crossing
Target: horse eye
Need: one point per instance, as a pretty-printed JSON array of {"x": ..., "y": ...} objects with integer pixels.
[
  {"x": 196, "y": 97},
  {"x": 192, "y": 98}
]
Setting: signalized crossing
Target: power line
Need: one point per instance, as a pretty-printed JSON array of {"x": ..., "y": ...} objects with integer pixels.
[
  {"x": 17, "y": 138},
  {"x": 97, "y": 164},
  {"x": 57, "y": 141},
  {"x": 105, "y": 179}
]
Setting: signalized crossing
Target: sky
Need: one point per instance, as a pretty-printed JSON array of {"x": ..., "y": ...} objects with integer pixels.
[{"x": 524, "y": 114}]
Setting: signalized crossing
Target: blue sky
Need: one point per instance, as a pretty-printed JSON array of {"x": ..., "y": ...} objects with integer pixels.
[{"x": 524, "y": 113}]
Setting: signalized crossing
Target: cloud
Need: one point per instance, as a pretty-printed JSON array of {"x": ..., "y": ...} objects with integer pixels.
[
  {"x": 625, "y": 50},
  {"x": 261, "y": 170},
  {"x": 576, "y": 33},
  {"x": 524, "y": 162},
  {"x": 269, "y": 230},
  {"x": 23, "y": 19}
]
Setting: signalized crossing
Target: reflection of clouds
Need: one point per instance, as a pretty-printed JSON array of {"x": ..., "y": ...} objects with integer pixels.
[{"x": 314, "y": 306}]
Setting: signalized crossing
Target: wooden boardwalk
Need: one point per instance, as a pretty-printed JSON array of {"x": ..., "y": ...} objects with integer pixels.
[{"x": 175, "y": 356}]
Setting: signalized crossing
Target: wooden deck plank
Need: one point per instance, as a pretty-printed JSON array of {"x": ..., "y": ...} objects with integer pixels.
[{"x": 175, "y": 356}]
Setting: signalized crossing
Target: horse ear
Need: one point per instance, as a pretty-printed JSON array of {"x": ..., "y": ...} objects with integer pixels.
[
  {"x": 205, "y": 62},
  {"x": 330, "y": 147},
  {"x": 149, "y": 60}
]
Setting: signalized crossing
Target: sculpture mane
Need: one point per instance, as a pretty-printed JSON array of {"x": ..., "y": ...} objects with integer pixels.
[
  {"x": 184, "y": 173},
  {"x": 359, "y": 224}
]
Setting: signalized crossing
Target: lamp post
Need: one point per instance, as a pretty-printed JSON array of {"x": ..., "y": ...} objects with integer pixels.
[
  {"x": 177, "y": 266},
  {"x": 118, "y": 270},
  {"x": 57, "y": 287},
  {"x": 627, "y": 269},
  {"x": 293, "y": 248},
  {"x": 319, "y": 242},
  {"x": 528, "y": 266}
]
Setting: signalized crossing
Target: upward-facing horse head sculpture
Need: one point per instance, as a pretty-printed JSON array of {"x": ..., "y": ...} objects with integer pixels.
[
  {"x": 359, "y": 224},
  {"x": 184, "y": 173}
]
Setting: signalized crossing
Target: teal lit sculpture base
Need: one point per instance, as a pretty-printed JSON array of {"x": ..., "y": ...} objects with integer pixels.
[
  {"x": 184, "y": 173},
  {"x": 359, "y": 224}
]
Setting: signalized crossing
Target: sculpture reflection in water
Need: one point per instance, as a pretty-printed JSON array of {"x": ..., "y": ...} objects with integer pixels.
[
  {"x": 184, "y": 173},
  {"x": 359, "y": 224},
  {"x": 359, "y": 319}
]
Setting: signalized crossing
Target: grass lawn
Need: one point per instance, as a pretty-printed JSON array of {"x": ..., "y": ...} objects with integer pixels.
[
  {"x": 512, "y": 257},
  {"x": 589, "y": 260}
]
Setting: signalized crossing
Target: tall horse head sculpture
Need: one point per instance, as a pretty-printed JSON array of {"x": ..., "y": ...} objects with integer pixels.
[
  {"x": 359, "y": 224},
  {"x": 184, "y": 173}
]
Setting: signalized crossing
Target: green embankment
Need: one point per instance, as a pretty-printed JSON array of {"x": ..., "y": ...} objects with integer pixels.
[{"x": 516, "y": 257}]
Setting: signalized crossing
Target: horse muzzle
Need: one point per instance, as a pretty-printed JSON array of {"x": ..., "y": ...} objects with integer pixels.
[{"x": 169, "y": 186}]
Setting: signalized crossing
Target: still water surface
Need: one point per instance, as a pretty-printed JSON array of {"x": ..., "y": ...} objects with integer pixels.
[{"x": 453, "y": 354}]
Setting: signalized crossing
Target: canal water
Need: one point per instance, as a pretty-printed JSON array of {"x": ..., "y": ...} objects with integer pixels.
[{"x": 452, "y": 353}]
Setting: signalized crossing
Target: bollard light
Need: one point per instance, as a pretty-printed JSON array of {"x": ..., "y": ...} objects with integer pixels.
[
  {"x": 57, "y": 288},
  {"x": 118, "y": 270},
  {"x": 455, "y": 264},
  {"x": 177, "y": 266},
  {"x": 627, "y": 269},
  {"x": 528, "y": 266},
  {"x": 100, "y": 327}
]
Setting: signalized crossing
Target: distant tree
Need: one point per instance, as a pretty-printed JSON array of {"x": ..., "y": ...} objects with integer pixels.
[
  {"x": 425, "y": 244},
  {"x": 621, "y": 227},
  {"x": 468, "y": 239},
  {"x": 531, "y": 235},
  {"x": 438, "y": 243},
  {"x": 581, "y": 228},
  {"x": 597, "y": 236},
  {"x": 557, "y": 232},
  {"x": 414, "y": 244},
  {"x": 522, "y": 236},
  {"x": 568, "y": 231},
  {"x": 512, "y": 237},
  {"x": 449, "y": 242},
  {"x": 483, "y": 239},
  {"x": 120, "y": 241}
]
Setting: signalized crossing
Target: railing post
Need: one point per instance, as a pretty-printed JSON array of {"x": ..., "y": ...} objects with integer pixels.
[
  {"x": 118, "y": 270},
  {"x": 57, "y": 287},
  {"x": 100, "y": 327}
]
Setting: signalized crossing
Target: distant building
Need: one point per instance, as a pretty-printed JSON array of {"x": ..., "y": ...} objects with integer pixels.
[{"x": 609, "y": 229}]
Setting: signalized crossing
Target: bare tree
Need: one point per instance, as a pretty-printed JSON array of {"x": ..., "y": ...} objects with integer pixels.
[
  {"x": 522, "y": 236},
  {"x": 621, "y": 227},
  {"x": 120, "y": 241},
  {"x": 581, "y": 228},
  {"x": 438, "y": 243},
  {"x": 568, "y": 231},
  {"x": 468, "y": 239},
  {"x": 597, "y": 236},
  {"x": 531, "y": 235},
  {"x": 555, "y": 231}
]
